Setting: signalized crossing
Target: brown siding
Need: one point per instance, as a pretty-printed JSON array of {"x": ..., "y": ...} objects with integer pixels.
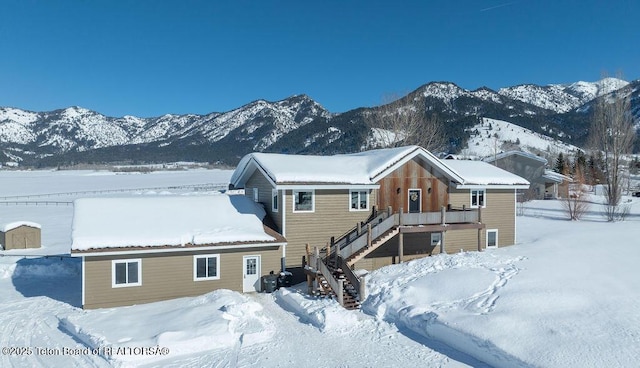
[
  {"x": 21, "y": 237},
  {"x": 257, "y": 180},
  {"x": 169, "y": 275},
  {"x": 394, "y": 187},
  {"x": 330, "y": 218}
]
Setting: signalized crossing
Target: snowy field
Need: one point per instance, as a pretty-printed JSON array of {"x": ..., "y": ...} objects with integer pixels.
[{"x": 568, "y": 295}]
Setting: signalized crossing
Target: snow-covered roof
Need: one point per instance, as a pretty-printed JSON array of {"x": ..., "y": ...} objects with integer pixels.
[
  {"x": 556, "y": 177},
  {"x": 363, "y": 168},
  {"x": 516, "y": 153},
  {"x": 16, "y": 224},
  {"x": 166, "y": 221},
  {"x": 482, "y": 173}
]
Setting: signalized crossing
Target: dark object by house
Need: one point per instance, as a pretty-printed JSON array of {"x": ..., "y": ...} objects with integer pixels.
[
  {"x": 269, "y": 283},
  {"x": 636, "y": 194},
  {"x": 285, "y": 279}
]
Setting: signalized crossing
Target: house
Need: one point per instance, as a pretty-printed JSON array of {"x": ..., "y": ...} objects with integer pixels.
[
  {"x": 545, "y": 184},
  {"x": 20, "y": 235},
  {"x": 379, "y": 207},
  {"x": 145, "y": 249}
]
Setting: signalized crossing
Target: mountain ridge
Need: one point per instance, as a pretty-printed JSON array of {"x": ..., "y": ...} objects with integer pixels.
[{"x": 294, "y": 124}]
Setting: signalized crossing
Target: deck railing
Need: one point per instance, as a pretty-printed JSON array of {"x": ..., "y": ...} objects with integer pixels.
[{"x": 363, "y": 235}]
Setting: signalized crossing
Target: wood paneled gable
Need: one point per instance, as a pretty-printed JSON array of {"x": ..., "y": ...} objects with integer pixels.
[{"x": 414, "y": 174}]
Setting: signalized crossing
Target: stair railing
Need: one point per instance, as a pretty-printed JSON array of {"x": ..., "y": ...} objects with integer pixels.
[
  {"x": 358, "y": 282},
  {"x": 336, "y": 285}
]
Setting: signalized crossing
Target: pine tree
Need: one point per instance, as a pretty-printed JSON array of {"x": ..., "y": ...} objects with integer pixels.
[{"x": 561, "y": 165}]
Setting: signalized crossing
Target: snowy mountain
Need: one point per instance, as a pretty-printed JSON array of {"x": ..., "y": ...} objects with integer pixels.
[
  {"x": 562, "y": 98},
  {"x": 76, "y": 129},
  {"x": 297, "y": 124}
]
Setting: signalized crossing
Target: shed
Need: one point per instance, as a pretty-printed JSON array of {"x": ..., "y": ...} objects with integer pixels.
[{"x": 20, "y": 235}]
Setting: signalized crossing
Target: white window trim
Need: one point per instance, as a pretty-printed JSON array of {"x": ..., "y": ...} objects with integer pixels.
[
  {"x": 313, "y": 200},
  {"x": 114, "y": 262},
  {"x": 487, "y": 239},
  {"x": 274, "y": 194},
  {"x": 409, "y": 199},
  {"x": 484, "y": 198},
  {"x": 358, "y": 191},
  {"x": 256, "y": 195},
  {"x": 438, "y": 236},
  {"x": 195, "y": 267}
]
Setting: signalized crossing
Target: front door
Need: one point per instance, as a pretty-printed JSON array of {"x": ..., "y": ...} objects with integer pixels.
[
  {"x": 251, "y": 273},
  {"x": 415, "y": 200}
]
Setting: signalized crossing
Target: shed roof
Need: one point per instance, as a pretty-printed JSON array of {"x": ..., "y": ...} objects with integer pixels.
[
  {"x": 17, "y": 224},
  {"x": 100, "y": 223}
]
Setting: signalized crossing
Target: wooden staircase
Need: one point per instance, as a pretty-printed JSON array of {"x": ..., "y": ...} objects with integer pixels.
[
  {"x": 375, "y": 244},
  {"x": 333, "y": 280},
  {"x": 332, "y": 272}
]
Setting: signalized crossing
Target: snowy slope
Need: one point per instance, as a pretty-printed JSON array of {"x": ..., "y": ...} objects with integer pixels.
[{"x": 496, "y": 136}]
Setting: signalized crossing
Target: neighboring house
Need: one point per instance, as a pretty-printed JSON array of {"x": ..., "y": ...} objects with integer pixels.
[
  {"x": 384, "y": 206},
  {"x": 20, "y": 235},
  {"x": 140, "y": 250},
  {"x": 545, "y": 184}
]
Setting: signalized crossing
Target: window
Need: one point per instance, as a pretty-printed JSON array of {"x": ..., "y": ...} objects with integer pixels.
[
  {"x": 359, "y": 200},
  {"x": 126, "y": 272},
  {"x": 492, "y": 238},
  {"x": 206, "y": 267},
  {"x": 303, "y": 201},
  {"x": 436, "y": 238},
  {"x": 256, "y": 198},
  {"x": 478, "y": 198},
  {"x": 274, "y": 200}
]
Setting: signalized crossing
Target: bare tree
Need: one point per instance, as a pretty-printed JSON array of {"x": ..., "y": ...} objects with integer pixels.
[
  {"x": 575, "y": 204},
  {"x": 612, "y": 134},
  {"x": 405, "y": 121}
]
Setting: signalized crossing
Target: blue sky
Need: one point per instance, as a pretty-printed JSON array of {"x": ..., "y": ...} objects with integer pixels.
[{"x": 148, "y": 58}]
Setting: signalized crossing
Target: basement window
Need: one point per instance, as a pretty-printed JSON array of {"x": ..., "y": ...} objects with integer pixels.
[
  {"x": 126, "y": 272},
  {"x": 492, "y": 238}
]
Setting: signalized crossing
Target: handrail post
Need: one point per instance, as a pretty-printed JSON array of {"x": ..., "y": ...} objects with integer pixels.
[
  {"x": 359, "y": 227},
  {"x": 340, "y": 292},
  {"x": 363, "y": 288},
  {"x": 400, "y": 216},
  {"x": 479, "y": 214},
  {"x": 369, "y": 235},
  {"x": 443, "y": 213}
]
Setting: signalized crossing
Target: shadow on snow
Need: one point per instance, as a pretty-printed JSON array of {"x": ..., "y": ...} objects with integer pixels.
[{"x": 55, "y": 277}]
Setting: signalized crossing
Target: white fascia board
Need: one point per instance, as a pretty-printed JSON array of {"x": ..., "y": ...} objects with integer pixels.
[
  {"x": 248, "y": 170},
  {"x": 327, "y": 186},
  {"x": 490, "y": 186},
  {"x": 174, "y": 250}
]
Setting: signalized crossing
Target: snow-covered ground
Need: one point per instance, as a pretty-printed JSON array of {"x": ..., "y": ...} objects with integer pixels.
[{"x": 568, "y": 295}]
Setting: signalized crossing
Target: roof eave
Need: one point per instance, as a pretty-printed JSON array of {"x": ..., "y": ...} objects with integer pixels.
[{"x": 105, "y": 252}]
